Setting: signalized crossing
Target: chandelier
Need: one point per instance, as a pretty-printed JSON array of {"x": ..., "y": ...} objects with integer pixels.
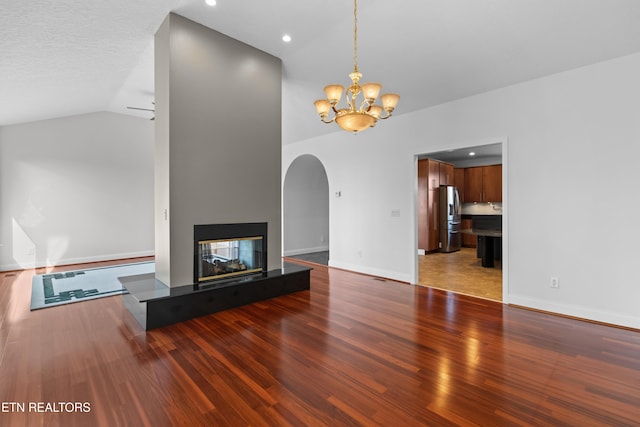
[{"x": 356, "y": 118}]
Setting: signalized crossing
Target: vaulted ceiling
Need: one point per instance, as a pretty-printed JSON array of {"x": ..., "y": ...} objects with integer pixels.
[{"x": 69, "y": 57}]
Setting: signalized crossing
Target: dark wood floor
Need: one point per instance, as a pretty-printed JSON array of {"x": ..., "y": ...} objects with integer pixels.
[{"x": 354, "y": 350}]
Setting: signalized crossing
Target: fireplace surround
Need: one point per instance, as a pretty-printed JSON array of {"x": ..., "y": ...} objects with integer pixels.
[{"x": 154, "y": 304}]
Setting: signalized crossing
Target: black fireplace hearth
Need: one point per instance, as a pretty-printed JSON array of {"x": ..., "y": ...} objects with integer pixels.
[{"x": 230, "y": 270}]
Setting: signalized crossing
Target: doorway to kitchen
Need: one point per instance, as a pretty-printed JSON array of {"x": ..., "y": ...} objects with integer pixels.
[{"x": 460, "y": 222}]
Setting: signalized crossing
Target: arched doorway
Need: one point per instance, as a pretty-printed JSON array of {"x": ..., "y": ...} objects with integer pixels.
[{"x": 305, "y": 210}]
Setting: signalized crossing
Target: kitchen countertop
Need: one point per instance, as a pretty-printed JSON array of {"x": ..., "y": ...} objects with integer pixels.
[{"x": 481, "y": 232}]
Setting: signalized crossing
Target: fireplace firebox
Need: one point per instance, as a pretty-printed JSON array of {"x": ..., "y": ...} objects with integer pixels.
[{"x": 226, "y": 251}]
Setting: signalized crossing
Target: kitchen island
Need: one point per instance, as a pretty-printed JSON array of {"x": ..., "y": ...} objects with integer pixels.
[{"x": 488, "y": 241}]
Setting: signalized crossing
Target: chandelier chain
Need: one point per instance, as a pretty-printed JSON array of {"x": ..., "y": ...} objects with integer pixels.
[{"x": 355, "y": 36}]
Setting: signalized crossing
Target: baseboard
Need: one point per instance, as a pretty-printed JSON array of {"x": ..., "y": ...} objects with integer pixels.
[
  {"x": 293, "y": 252},
  {"x": 78, "y": 260},
  {"x": 392, "y": 275},
  {"x": 588, "y": 314}
]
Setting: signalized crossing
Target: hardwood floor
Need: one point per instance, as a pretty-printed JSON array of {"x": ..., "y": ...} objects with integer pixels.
[
  {"x": 461, "y": 272},
  {"x": 354, "y": 350}
]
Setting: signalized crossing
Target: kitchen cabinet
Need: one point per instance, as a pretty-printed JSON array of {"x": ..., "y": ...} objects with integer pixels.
[
  {"x": 431, "y": 174},
  {"x": 483, "y": 184},
  {"x": 423, "y": 197},
  {"x": 458, "y": 181},
  {"x": 468, "y": 240},
  {"x": 446, "y": 174},
  {"x": 473, "y": 190},
  {"x": 432, "y": 206},
  {"x": 492, "y": 183}
]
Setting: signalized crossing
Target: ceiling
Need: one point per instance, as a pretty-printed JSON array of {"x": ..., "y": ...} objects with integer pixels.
[
  {"x": 67, "y": 57},
  {"x": 462, "y": 157}
]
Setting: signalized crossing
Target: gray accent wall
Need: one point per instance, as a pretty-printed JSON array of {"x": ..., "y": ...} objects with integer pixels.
[{"x": 218, "y": 141}]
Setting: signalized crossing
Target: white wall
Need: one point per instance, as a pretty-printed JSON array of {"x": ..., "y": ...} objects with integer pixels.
[
  {"x": 573, "y": 149},
  {"x": 305, "y": 212},
  {"x": 76, "y": 189}
]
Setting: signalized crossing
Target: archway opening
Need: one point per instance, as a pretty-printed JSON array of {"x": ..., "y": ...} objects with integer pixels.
[{"x": 305, "y": 211}]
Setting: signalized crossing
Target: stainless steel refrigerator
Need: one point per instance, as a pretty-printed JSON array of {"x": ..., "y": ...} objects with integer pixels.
[{"x": 450, "y": 219}]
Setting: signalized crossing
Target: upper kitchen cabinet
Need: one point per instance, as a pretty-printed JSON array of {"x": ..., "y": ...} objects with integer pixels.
[
  {"x": 458, "y": 181},
  {"x": 492, "y": 183},
  {"x": 446, "y": 174},
  {"x": 434, "y": 175},
  {"x": 473, "y": 190},
  {"x": 483, "y": 184}
]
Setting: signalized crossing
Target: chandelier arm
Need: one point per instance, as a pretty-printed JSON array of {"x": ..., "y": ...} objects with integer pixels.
[
  {"x": 329, "y": 121},
  {"x": 365, "y": 105}
]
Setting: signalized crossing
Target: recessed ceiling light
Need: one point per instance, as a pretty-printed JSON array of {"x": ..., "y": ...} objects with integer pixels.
[
  {"x": 472, "y": 153},
  {"x": 286, "y": 38},
  {"x": 211, "y": 2}
]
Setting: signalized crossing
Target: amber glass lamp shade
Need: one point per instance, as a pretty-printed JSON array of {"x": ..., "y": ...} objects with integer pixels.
[
  {"x": 371, "y": 91},
  {"x": 334, "y": 93},
  {"x": 389, "y": 101},
  {"x": 322, "y": 107},
  {"x": 355, "y": 121},
  {"x": 375, "y": 111}
]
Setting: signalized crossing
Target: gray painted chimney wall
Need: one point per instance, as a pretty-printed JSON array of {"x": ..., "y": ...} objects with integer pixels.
[{"x": 218, "y": 141}]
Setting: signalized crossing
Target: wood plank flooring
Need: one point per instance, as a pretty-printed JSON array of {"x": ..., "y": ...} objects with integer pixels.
[
  {"x": 354, "y": 350},
  {"x": 461, "y": 272}
]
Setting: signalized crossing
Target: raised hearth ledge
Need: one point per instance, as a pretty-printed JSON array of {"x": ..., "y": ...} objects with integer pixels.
[{"x": 154, "y": 304}]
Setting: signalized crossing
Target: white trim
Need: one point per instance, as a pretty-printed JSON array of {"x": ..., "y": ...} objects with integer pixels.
[
  {"x": 391, "y": 275},
  {"x": 505, "y": 220},
  {"x": 79, "y": 260},
  {"x": 576, "y": 311},
  {"x": 292, "y": 252}
]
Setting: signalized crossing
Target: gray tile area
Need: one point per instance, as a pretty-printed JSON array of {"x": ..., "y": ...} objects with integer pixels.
[{"x": 315, "y": 257}]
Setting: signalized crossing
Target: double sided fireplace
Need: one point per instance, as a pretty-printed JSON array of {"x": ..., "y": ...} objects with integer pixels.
[
  {"x": 229, "y": 269},
  {"x": 225, "y": 251}
]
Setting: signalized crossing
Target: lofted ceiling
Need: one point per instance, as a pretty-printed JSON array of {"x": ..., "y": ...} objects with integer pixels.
[{"x": 67, "y": 57}]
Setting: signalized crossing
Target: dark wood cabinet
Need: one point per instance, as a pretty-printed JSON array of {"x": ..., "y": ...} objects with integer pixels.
[
  {"x": 492, "y": 183},
  {"x": 483, "y": 184},
  {"x": 423, "y": 197},
  {"x": 446, "y": 174},
  {"x": 473, "y": 185},
  {"x": 433, "y": 202},
  {"x": 431, "y": 174},
  {"x": 468, "y": 240},
  {"x": 458, "y": 181}
]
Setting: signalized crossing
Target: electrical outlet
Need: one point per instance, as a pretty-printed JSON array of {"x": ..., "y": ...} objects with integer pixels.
[{"x": 555, "y": 282}]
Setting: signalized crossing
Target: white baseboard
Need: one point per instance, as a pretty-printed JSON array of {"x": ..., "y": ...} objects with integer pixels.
[
  {"x": 77, "y": 260},
  {"x": 392, "y": 275},
  {"x": 577, "y": 311},
  {"x": 292, "y": 252}
]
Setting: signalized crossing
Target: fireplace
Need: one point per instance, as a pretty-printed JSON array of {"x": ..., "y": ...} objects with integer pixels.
[{"x": 227, "y": 251}]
